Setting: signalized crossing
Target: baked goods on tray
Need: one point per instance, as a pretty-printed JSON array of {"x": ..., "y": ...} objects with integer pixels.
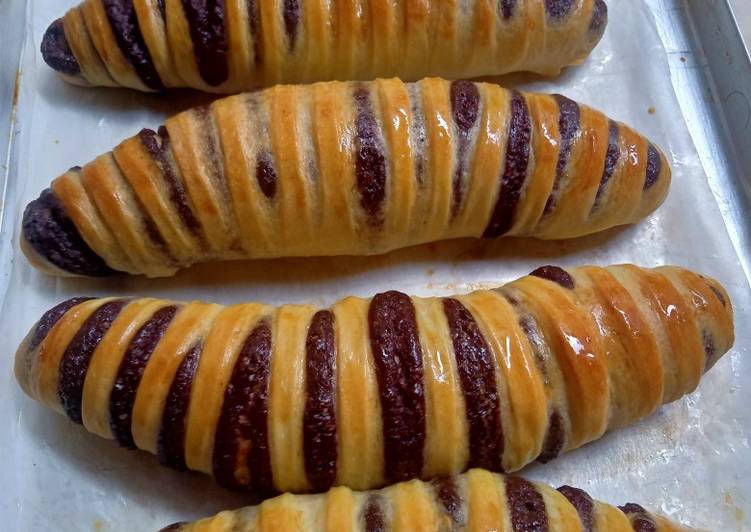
[
  {"x": 227, "y": 46},
  {"x": 375, "y": 391},
  {"x": 344, "y": 168}
]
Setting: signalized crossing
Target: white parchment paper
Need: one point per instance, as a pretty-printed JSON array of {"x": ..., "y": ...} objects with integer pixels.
[{"x": 691, "y": 460}]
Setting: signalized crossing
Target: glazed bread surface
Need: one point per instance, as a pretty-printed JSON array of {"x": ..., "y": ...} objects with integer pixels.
[
  {"x": 375, "y": 391},
  {"x": 345, "y": 168},
  {"x": 475, "y": 501},
  {"x": 226, "y": 46}
]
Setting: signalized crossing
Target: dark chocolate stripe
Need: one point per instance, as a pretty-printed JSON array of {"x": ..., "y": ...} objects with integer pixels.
[
  {"x": 174, "y": 527},
  {"x": 171, "y": 440},
  {"x": 507, "y": 8},
  {"x": 568, "y": 127},
  {"x": 718, "y": 294},
  {"x": 291, "y": 20},
  {"x": 611, "y": 161},
  {"x": 56, "y": 50},
  {"x": 526, "y": 505},
  {"x": 159, "y": 151},
  {"x": 373, "y": 518},
  {"x": 640, "y": 519},
  {"x": 121, "y": 15},
  {"x": 74, "y": 363},
  {"x": 599, "y": 17},
  {"x": 447, "y": 493},
  {"x": 132, "y": 366},
  {"x": 149, "y": 225},
  {"x": 465, "y": 105},
  {"x": 50, "y": 232},
  {"x": 254, "y": 21},
  {"x": 50, "y": 318},
  {"x": 207, "y": 31},
  {"x": 654, "y": 166},
  {"x": 554, "y": 438},
  {"x": 555, "y": 274},
  {"x": 162, "y": 9},
  {"x": 242, "y": 431},
  {"x": 398, "y": 363},
  {"x": 709, "y": 346},
  {"x": 515, "y": 170},
  {"x": 266, "y": 174},
  {"x": 370, "y": 163},
  {"x": 476, "y": 368},
  {"x": 584, "y": 505},
  {"x": 558, "y": 8},
  {"x": 319, "y": 418}
]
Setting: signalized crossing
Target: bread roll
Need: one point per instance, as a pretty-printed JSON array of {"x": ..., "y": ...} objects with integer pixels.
[
  {"x": 344, "y": 169},
  {"x": 375, "y": 391},
  {"x": 227, "y": 46}
]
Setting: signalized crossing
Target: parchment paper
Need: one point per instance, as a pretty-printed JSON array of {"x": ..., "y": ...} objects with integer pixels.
[{"x": 691, "y": 460}]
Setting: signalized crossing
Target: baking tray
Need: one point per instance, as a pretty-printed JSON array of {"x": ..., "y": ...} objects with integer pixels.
[{"x": 711, "y": 75}]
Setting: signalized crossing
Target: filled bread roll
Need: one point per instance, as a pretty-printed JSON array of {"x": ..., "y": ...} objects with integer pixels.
[
  {"x": 476, "y": 501},
  {"x": 375, "y": 391},
  {"x": 344, "y": 168},
  {"x": 227, "y": 46}
]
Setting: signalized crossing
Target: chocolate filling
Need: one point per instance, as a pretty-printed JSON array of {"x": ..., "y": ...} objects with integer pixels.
[
  {"x": 553, "y": 438},
  {"x": 255, "y": 31},
  {"x": 447, "y": 493},
  {"x": 373, "y": 518},
  {"x": 599, "y": 17},
  {"x": 121, "y": 15},
  {"x": 515, "y": 171},
  {"x": 266, "y": 174},
  {"x": 654, "y": 167},
  {"x": 132, "y": 366},
  {"x": 476, "y": 368},
  {"x": 465, "y": 105},
  {"x": 584, "y": 505},
  {"x": 611, "y": 160},
  {"x": 50, "y": 232},
  {"x": 242, "y": 432},
  {"x": 398, "y": 363},
  {"x": 162, "y": 12},
  {"x": 555, "y": 274},
  {"x": 171, "y": 440},
  {"x": 568, "y": 126},
  {"x": 206, "y": 23},
  {"x": 174, "y": 527},
  {"x": 507, "y": 8},
  {"x": 56, "y": 51},
  {"x": 75, "y": 360},
  {"x": 50, "y": 318},
  {"x": 526, "y": 505},
  {"x": 716, "y": 291},
  {"x": 709, "y": 346},
  {"x": 291, "y": 20},
  {"x": 159, "y": 151},
  {"x": 370, "y": 163},
  {"x": 641, "y": 521},
  {"x": 319, "y": 418},
  {"x": 558, "y": 8}
]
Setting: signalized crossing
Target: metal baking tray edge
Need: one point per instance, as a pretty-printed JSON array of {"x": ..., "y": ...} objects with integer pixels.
[{"x": 711, "y": 73}]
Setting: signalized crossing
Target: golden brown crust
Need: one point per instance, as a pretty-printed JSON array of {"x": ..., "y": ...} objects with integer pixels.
[
  {"x": 495, "y": 378},
  {"x": 253, "y": 44},
  {"x": 479, "y": 501},
  {"x": 359, "y": 168}
]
